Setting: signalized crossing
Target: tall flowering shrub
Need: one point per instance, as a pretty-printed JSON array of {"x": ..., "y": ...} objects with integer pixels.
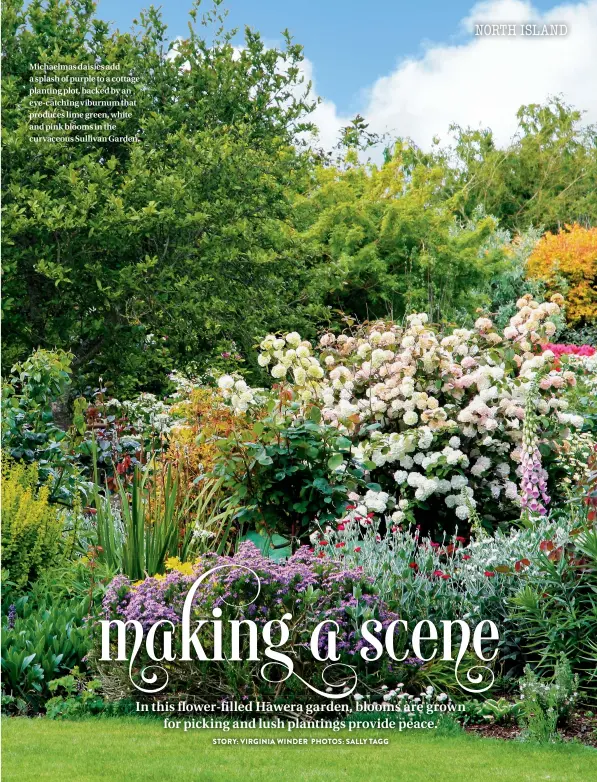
[
  {"x": 435, "y": 417},
  {"x": 571, "y": 254}
]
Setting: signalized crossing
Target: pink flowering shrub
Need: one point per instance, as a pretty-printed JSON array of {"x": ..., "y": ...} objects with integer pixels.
[
  {"x": 569, "y": 350},
  {"x": 435, "y": 416}
]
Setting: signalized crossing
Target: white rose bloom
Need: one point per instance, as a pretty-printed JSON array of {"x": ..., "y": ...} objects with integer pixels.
[
  {"x": 410, "y": 418},
  {"x": 278, "y": 371},
  {"x": 268, "y": 342},
  {"x": 458, "y": 482},
  {"x": 238, "y": 404},
  {"x": 315, "y": 371},
  {"x": 263, "y": 359},
  {"x": 226, "y": 382},
  {"x": 462, "y": 512},
  {"x": 278, "y": 344}
]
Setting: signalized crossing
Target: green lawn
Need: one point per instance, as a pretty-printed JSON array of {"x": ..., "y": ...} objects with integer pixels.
[{"x": 130, "y": 750}]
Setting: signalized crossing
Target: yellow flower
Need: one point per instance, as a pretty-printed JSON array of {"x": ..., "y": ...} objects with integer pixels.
[{"x": 174, "y": 563}]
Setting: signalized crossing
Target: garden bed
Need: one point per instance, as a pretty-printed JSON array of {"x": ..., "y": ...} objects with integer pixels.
[{"x": 582, "y": 727}]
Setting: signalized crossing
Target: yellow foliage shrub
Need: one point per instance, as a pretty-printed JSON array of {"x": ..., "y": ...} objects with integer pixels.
[
  {"x": 571, "y": 254},
  {"x": 31, "y": 526}
]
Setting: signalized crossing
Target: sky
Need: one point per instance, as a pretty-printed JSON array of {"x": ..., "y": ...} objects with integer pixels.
[{"x": 412, "y": 68}]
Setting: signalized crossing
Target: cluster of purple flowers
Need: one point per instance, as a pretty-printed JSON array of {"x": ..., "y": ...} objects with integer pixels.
[
  {"x": 534, "y": 494},
  {"x": 533, "y": 483},
  {"x": 310, "y": 588}
]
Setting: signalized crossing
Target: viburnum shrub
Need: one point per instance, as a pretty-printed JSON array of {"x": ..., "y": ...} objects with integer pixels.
[
  {"x": 570, "y": 254},
  {"x": 435, "y": 417}
]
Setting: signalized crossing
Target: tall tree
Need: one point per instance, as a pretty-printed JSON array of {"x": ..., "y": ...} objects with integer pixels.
[
  {"x": 181, "y": 241},
  {"x": 388, "y": 240},
  {"x": 545, "y": 177}
]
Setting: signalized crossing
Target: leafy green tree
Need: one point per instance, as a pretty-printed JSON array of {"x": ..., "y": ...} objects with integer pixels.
[
  {"x": 387, "y": 240},
  {"x": 545, "y": 177},
  {"x": 138, "y": 257}
]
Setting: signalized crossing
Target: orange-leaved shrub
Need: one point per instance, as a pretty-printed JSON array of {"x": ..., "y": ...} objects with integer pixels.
[
  {"x": 206, "y": 419},
  {"x": 570, "y": 254}
]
